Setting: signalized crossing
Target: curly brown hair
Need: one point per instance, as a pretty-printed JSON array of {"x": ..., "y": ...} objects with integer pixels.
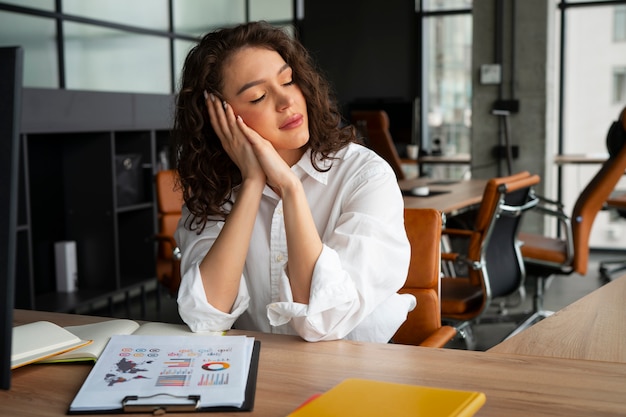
[{"x": 207, "y": 174}]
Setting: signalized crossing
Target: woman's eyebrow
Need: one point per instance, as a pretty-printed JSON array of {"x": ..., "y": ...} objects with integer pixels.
[{"x": 257, "y": 82}]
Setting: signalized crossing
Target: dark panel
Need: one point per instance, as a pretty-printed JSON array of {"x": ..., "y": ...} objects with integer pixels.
[
  {"x": 366, "y": 48},
  {"x": 48, "y": 111},
  {"x": 11, "y": 61}
]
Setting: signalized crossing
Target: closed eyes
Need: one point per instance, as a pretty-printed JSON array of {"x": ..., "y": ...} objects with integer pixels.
[{"x": 258, "y": 100}]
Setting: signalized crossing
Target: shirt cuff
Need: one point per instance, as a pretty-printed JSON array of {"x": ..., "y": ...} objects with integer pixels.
[
  {"x": 198, "y": 313},
  {"x": 329, "y": 291}
]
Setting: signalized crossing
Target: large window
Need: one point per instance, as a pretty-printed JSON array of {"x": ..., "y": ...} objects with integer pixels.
[
  {"x": 593, "y": 77},
  {"x": 446, "y": 92},
  {"x": 619, "y": 85},
  {"x": 619, "y": 24},
  {"x": 119, "y": 45}
]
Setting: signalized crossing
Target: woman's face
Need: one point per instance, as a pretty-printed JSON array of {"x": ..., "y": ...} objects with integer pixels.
[{"x": 259, "y": 86}]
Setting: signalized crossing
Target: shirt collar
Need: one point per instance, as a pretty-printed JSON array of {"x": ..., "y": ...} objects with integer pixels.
[{"x": 305, "y": 166}]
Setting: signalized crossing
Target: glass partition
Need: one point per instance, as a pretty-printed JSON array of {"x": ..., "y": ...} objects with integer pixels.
[
  {"x": 35, "y": 4},
  {"x": 36, "y": 35},
  {"x": 197, "y": 17},
  {"x": 271, "y": 10},
  {"x": 150, "y": 14},
  {"x": 103, "y": 59}
]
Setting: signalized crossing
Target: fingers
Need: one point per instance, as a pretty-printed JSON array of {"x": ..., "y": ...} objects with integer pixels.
[{"x": 221, "y": 116}]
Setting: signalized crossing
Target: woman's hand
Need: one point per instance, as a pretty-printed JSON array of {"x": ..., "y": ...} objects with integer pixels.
[
  {"x": 277, "y": 171},
  {"x": 233, "y": 140}
]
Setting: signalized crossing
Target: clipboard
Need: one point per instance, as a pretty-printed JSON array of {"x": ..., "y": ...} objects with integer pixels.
[{"x": 165, "y": 402}]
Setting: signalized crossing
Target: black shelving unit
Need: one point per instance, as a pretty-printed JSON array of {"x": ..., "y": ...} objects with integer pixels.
[{"x": 70, "y": 142}]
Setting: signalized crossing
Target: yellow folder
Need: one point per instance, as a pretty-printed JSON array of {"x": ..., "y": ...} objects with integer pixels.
[{"x": 365, "y": 398}]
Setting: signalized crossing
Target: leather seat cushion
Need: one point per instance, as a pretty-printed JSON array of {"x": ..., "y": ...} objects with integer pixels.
[
  {"x": 542, "y": 248},
  {"x": 459, "y": 296}
]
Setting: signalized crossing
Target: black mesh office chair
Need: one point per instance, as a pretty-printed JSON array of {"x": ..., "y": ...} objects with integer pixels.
[{"x": 487, "y": 246}]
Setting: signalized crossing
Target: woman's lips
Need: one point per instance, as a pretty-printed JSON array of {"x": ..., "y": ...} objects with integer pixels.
[{"x": 293, "y": 121}]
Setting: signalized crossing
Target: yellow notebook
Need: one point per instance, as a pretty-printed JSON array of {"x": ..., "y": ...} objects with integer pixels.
[{"x": 365, "y": 398}]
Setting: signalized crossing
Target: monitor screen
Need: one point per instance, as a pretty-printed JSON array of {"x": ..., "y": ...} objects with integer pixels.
[{"x": 11, "y": 61}]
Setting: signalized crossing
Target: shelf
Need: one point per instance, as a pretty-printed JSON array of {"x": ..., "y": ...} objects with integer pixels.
[{"x": 70, "y": 191}]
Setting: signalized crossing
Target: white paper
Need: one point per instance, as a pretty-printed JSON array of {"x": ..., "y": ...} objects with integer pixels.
[{"x": 213, "y": 367}]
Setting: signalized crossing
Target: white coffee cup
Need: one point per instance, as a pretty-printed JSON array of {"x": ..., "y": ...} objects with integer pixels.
[{"x": 412, "y": 151}]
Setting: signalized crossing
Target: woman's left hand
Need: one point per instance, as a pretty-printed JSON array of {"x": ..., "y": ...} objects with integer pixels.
[{"x": 277, "y": 171}]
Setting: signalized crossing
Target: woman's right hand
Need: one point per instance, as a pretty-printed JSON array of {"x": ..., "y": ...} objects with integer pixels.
[{"x": 233, "y": 140}]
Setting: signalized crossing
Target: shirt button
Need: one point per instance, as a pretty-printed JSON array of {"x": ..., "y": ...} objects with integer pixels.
[
  {"x": 280, "y": 211},
  {"x": 279, "y": 257}
]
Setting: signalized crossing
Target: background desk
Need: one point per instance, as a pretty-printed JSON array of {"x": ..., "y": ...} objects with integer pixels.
[
  {"x": 580, "y": 159},
  {"x": 291, "y": 370},
  {"x": 591, "y": 328},
  {"x": 457, "y": 196}
]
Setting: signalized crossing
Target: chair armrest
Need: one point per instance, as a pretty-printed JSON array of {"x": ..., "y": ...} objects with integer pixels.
[
  {"x": 458, "y": 257},
  {"x": 457, "y": 232},
  {"x": 176, "y": 253},
  {"x": 552, "y": 208},
  {"x": 166, "y": 239},
  {"x": 544, "y": 201},
  {"x": 547, "y": 207},
  {"x": 440, "y": 337}
]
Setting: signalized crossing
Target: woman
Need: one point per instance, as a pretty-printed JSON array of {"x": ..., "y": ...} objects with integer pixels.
[{"x": 288, "y": 225}]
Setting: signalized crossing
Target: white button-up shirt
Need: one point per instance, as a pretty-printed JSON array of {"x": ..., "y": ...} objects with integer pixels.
[{"x": 357, "y": 207}]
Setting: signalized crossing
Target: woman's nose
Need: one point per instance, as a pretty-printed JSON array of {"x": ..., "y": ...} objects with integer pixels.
[{"x": 283, "y": 101}]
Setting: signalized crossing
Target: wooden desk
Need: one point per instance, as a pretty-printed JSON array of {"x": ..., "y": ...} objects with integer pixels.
[
  {"x": 456, "y": 159},
  {"x": 457, "y": 194},
  {"x": 290, "y": 370},
  {"x": 591, "y": 328},
  {"x": 580, "y": 159}
]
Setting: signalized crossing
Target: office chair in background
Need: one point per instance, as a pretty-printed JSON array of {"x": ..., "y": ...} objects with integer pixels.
[
  {"x": 376, "y": 126},
  {"x": 423, "y": 325},
  {"x": 169, "y": 207},
  {"x": 545, "y": 256},
  {"x": 490, "y": 260}
]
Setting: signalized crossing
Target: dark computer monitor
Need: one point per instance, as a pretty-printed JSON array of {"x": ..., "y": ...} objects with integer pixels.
[{"x": 11, "y": 63}]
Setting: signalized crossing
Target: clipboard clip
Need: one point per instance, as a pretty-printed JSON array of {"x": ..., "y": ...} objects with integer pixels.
[{"x": 159, "y": 404}]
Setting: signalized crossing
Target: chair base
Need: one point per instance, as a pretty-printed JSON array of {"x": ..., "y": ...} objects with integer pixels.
[
  {"x": 534, "y": 318},
  {"x": 465, "y": 332},
  {"x": 607, "y": 272}
]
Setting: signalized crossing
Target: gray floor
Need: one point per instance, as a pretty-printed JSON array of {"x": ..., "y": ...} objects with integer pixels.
[{"x": 562, "y": 291}]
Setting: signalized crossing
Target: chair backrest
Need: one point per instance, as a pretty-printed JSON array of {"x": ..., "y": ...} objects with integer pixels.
[
  {"x": 169, "y": 207},
  {"x": 493, "y": 241},
  {"x": 378, "y": 136},
  {"x": 596, "y": 193},
  {"x": 503, "y": 249},
  {"x": 423, "y": 228}
]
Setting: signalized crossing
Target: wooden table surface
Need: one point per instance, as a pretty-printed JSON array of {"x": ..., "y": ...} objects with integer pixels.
[
  {"x": 455, "y": 195},
  {"x": 291, "y": 370},
  {"x": 592, "y": 328},
  {"x": 598, "y": 158}
]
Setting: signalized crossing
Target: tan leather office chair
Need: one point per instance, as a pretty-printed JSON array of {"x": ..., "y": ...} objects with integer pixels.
[
  {"x": 169, "y": 206},
  {"x": 423, "y": 325},
  {"x": 545, "y": 256},
  {"x": 614, "y": 140},
  {"x": 376, "y": 124},
  {"x": 611, "y": 268},
  {"x": 491, "y": 256}
]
